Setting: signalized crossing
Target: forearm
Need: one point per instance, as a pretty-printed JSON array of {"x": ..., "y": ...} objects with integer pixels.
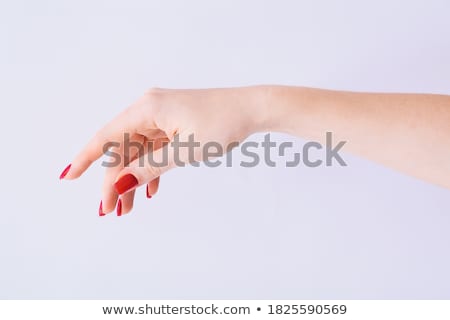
[{"x": 408, "y": 132}]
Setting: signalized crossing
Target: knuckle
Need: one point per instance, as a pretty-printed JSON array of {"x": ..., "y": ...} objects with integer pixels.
[
  {"x": 153, "y": 98},
  {"x": 153, "y": 95},
  {"x": 153, "y": 171}
]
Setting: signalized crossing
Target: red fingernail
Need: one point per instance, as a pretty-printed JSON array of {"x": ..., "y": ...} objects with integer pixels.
[
  {"x": 125, "y": 183},
  {"x": 148, "y": 194},
  {"x": 100, "y": 209},
  {"x": 65, "y": 171},
  {"x": 119, "y": 208}
]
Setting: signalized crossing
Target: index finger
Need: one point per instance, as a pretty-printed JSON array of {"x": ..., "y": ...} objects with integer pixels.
[{"x": 128, "y": 121}]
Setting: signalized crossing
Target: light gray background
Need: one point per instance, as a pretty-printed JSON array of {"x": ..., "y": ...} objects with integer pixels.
[{"x": 357, "y": 232}]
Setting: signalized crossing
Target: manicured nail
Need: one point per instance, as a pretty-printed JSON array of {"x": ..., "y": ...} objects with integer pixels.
[
  {"x": 125, "y": 183},
  {"x": 148, "y": 194},
  {"x": 65, "y": 171},
  {"x": 119, "y": 208},
  {"x": 100, "y": 209}
]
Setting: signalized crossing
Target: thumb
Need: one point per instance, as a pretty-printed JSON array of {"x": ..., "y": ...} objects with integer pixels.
[{"x": 144, "y": 169}]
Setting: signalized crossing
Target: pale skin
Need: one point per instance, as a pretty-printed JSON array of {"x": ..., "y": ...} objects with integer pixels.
[{"x": 407, "y": 132}]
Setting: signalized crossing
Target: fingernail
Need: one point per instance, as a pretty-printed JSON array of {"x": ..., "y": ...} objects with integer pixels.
[
  {"x": 100, "y": 209},
  {"x": 119, "y": 208},
  {"x": 148, "y": 194},
  {"x": 64, "y": 172},
  {"x": 125, "y": 183}
]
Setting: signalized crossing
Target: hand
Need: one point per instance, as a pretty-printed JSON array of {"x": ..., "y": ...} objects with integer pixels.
[
  {"x": 407, "y": 132},
  {"x": 224, "y": 116}
]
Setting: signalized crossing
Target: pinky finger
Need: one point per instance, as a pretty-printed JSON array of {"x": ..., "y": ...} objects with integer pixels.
[
  {"x": 152, "y": 187},
  {"x": 125, "y": 203}
]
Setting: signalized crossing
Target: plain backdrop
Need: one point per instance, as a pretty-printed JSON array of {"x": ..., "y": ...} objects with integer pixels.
[{"x": 362, "y": 231}]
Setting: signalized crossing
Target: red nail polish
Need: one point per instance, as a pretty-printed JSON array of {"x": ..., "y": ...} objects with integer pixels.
[
  {"x": 119, "y": 208},
  {"x": 125, "y": 183},
  {"x": 148, "y": 194},
  {"x": 100, "y": 209},
  {"x": 65, "y": 171}
]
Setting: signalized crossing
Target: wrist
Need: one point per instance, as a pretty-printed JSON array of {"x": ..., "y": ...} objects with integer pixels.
[
  {"x": 280, "y": 107},
  {"x": 261, "y": 107}
]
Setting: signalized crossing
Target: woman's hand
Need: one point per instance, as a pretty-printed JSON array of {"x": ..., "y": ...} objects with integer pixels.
[
  {"x": 407, "y": 132},
  {"x": 222, "y": 116}
]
